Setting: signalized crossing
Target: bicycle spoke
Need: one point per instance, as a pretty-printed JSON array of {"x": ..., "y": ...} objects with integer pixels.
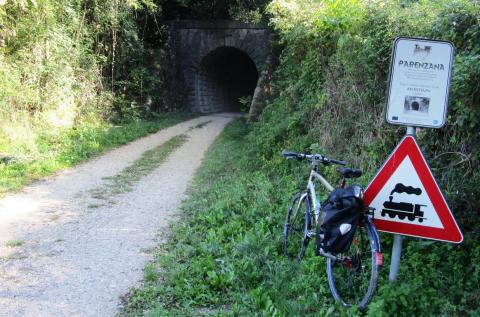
[
  {"x": 353, "y": 279},
  {"x": 296, "y": 226}
]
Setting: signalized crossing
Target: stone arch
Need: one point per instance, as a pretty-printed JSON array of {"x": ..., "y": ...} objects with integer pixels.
[
  {"x": 223, "y": 76},
  {"x": 194, "y": 41}
]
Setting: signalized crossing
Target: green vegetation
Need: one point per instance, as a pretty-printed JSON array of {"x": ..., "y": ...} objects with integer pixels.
[
  {"x": 226, "y": 258},
  {"x": 55, "y": 150},
  {"x": 77, "y": 77},
  {"x": 244, "y": 10},
  {"x": 123, "y": 182},
  {"x": 14, "y": 243},
  {"x": 73, "y": 71}
]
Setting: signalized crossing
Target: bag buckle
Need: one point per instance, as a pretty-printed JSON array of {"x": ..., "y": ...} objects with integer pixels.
[{"x": 371, "y": 212}]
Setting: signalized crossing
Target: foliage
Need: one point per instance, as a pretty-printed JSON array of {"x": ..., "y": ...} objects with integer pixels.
[
  {"x": 226, "y": 258},
  {"x": 245, "y": 103},
  {"x": 56, "y": 56},
  {"x": 59, "y": 149},
  {"x": 244, "y": 10},
  {"x": 68, "y": 70}
]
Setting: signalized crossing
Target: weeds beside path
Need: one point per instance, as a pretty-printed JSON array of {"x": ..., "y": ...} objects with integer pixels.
[
  {"x": 70, "y": 147},
  {"x": 61, "y": 255},
  {"x": 226, "y": 245},
  {"x": 225, "y": 258}
]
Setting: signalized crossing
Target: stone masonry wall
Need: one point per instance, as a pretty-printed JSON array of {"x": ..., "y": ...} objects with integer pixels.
[{"x": 193, "y": 40}]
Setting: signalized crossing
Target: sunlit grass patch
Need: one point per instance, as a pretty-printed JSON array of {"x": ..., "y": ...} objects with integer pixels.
[
  {"x": 54, "y": 151},
  {"x": 125, "y": 180},
  {"x": 14, "y": 243}
]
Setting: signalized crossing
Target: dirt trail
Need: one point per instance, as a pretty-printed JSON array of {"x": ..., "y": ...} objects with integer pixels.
[{"x": 63, "y": 255}]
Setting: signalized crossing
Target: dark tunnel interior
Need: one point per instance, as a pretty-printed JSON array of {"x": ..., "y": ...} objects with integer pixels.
[{"x": 227, "y": 74}]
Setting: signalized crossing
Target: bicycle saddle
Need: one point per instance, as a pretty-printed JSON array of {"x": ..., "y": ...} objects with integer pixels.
[{"x": 350, "y": 172}]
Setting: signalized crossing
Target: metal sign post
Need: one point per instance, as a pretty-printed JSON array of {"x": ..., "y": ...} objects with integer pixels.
[
  {"x": 398, "y": 239},
  {"x": 418, "y": 95},
  {"x": 396, "y": 254},
  {"x": 419, "y": 85}
]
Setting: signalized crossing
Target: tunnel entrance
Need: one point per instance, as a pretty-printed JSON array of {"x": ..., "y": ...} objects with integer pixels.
[{"x": 225, "y": 75}]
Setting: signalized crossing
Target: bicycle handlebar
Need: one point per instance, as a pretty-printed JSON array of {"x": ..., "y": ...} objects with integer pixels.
[
  {"x": 338, "y": 162},
  {"x": 317, "y": 157},
  {"x": 291, "y": 155}
]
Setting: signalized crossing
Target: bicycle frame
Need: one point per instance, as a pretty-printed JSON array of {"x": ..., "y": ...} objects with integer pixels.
[
  {"x": 315, "y": 176},
  {"x": 311, "y": 189}
]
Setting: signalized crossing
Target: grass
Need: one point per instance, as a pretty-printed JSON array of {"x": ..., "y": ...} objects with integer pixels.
[
  {"x": 14, "y": 243},
  {"x": 150, "y": 273},
  {"x": 65, "y": 149},
  {"x": 226, "y": 254},
  {"x": 225, "y": 258},
  {"x": 125, "y": 180},
  {"x": 215, "y": 257}
]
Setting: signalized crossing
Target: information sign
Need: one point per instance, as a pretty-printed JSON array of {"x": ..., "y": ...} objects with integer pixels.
[{"x": 419, "y": 82}]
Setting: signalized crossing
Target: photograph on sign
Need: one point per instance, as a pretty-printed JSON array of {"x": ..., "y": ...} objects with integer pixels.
[
  {"x": 408, "y": 200},
  {"x": 419, "y": 82}
]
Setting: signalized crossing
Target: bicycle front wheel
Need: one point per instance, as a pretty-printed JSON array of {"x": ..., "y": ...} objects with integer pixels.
[
  {"x": 353, "y": 277},
  {"x": 297, "y": 226}
]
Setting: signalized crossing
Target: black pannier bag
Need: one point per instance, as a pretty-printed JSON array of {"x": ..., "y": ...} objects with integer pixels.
[{"x": 341, "y": 216}]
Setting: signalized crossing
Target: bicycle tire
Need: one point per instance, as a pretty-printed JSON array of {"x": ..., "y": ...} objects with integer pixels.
[
  {"x": 353, "y": 281},
  {"x": 297, "y": 226}
]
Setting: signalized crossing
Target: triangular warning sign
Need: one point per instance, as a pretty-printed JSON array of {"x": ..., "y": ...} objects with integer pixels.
[{"x": 407, "y": 199}]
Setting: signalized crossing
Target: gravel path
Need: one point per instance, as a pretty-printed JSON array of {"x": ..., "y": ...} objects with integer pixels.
[{"x": 59, "y": 256}]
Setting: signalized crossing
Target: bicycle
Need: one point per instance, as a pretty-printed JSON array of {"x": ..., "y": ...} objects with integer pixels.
[{"x": 352, "y": 274}]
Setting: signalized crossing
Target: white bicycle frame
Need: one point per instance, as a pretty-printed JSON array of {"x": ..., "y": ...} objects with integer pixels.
[
  {"x": 317, "y": 211},
  {"x": 311, "y": 189},
  {"x": 315, "y": 203}
]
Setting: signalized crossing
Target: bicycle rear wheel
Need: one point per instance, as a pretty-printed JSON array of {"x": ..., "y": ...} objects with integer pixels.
[
  {"x": 297, "y": 226},
  {"x": 353, "y": 279}
]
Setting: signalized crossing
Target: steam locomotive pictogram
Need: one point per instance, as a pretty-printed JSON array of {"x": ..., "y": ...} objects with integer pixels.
[{"x": 401, "y": 209}]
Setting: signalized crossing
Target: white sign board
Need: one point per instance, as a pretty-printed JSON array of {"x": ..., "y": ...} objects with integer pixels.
[{"x": 419, "y": 82}]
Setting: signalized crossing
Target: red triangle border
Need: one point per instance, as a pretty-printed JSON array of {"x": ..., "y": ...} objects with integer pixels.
[{"x": 409, "y": 147}]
